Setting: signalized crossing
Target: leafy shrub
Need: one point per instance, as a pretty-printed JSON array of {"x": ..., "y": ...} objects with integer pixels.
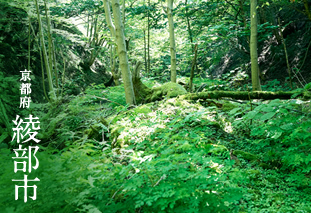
[{"x": 281, "y": 125}]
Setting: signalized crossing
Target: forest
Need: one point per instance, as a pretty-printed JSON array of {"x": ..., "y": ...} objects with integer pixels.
[{"x": 149, "y": 106}]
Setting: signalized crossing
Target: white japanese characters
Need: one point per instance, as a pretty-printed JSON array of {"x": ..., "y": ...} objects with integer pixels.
[
  {"x": 25, "y": 89},
  {"x": 25, "y": 159}
]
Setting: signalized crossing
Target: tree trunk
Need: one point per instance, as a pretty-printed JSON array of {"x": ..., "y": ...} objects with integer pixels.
[
  {"x": 109, "y": 20},
  {"x": 141, "y": 90},
  {"x": 41, "y": 61},
  {"x": 113, "y": 48},
  {"x": 49, "y": 35},
  {"x": 190, "y": 35},
  {"x": 145, "y": 54},
  {"x": 124, "y": 65},
  {"x": 172, "y": 39},
  {"x": 52, "y": 59},
  {"x": 192, "y": 67},
  {"x": 45, "y": 57},
  {"x": 253, "y": 47},
  {"x": 189, "y": 27}
]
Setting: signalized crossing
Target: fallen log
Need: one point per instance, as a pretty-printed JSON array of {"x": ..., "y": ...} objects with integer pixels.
[
  {"x": 143, "y": 94},
  {"x": 244, "y": 95}
]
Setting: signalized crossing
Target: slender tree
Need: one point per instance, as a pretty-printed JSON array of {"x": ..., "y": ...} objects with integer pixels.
[
  {"x": 253, "y": 47},
  {"x": 145, "y": 53},
  {"x": 189, "y": 26},
  {"x": 113, "y": 48},
  {"x": 118, "y": 32},
  {"x": 192, "y": 67},
  {"x": 44, "y": 52},
  {"x": 51, "y": 50},
  {"x": 172, "y": 39}
]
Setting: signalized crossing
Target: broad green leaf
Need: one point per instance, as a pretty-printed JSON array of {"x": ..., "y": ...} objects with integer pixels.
[
  {"x": 251, "y": 114},
  {"x": 233, "y": 111},
  {"x": 267, "y": 109},
  {"x": 267, "y": 116}
]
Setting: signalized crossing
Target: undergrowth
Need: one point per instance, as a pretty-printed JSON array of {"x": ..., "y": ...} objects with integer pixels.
[{"x": 168, "y": 156}]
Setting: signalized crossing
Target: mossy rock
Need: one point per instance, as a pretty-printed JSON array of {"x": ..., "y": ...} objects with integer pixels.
[
  {"x": 143, "y": 94},
  {"x": 245, "y": 155},
  {"x": 170, "y": 90},
  {"x": 173, "y": 90}
]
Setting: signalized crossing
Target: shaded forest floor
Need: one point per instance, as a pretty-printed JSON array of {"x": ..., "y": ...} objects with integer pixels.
[{"x": 168, "y": 156}]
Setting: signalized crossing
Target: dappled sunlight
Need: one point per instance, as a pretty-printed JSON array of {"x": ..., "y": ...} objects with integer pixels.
[
  {"x": 228, "y": 127},
  {"x": 148, "y": 123},
  {"x": 216, "y": 166}
]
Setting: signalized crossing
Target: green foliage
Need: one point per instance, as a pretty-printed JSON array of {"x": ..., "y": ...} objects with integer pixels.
[
  {"x": 168, "y": 156},
  {"x": 9, "y": 105},
  {"x": 65, "y": 123},
  {"x": 275, "y": 85},
  {"x": 115, "y": 95},
  {"x": 280, "y": 133},
  {"x": 75, "y": 8},
  {"x": 238, "y": 80},
  {"x": 233, "y": 80},
  {"x": 9, "y": 85},
  {"x": 171, "y": 155}
]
